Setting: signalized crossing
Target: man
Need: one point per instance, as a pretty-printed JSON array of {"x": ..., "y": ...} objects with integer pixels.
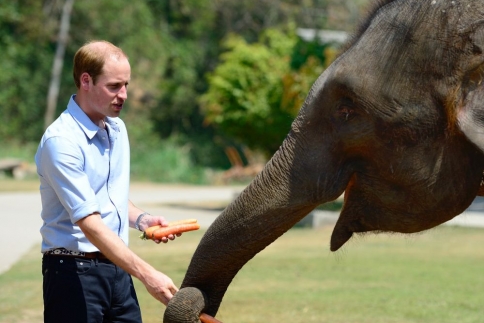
[{"x": 83, "y": 166}]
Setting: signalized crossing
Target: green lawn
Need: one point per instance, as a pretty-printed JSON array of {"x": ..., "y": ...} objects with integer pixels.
[{"x": 434, "y": 277}]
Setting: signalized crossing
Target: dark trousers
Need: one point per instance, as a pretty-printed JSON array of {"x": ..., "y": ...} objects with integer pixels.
[{"x": 81, "y": 290}]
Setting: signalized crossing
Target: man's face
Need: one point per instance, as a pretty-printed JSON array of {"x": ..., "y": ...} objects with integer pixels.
[{"x": 107, "y": 96}]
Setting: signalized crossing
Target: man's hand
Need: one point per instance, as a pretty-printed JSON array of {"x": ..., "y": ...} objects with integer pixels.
[
  {"x": 147, "y": 221},
  {"x": 160, "y": 287},
  {"x": 150, "y": 220}
]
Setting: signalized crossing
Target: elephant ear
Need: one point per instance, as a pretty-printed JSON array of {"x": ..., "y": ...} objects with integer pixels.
[{"x": 470, "y": 117}]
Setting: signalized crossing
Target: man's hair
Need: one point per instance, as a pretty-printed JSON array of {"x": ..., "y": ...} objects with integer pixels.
[{"x": 90, "y": 59}]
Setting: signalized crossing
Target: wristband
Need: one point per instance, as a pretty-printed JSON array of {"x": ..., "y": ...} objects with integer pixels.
[{"x": 138, "y": 220}]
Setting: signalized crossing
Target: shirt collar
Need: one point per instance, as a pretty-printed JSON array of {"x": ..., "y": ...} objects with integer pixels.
[
  {"x": 86, "y": 124},
  {"x": 111, "y": 122}
]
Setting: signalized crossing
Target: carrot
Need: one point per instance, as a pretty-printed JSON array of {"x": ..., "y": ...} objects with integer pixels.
[
  {"x": 148, "y": 233},
  {"x": 175, "y": 229},
  {"x": 186, "y": 221},
  {"x": 205, "y": 318}
]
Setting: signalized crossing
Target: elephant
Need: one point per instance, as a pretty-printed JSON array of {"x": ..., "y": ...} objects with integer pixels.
[{"x": 395, "y": 124}]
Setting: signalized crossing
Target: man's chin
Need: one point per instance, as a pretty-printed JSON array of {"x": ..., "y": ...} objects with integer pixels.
[{"x": 115, "y": 114}]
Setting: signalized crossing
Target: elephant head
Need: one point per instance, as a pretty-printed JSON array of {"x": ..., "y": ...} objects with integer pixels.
[{"x": 396, "y": 123}]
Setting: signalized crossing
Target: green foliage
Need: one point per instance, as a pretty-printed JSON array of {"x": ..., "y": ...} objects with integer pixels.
[
  {"x": 18, "y": 150},
  {"x": 25, "y": 67},
  {"x": 303, "y": 50},
  {"x": 191, "y": 48},
  {"x": 172, "y": 45},
  {"x": 254, "y": 94},
  {"x": 154, "y": 159},
  {"x": 165, "y": 162}
]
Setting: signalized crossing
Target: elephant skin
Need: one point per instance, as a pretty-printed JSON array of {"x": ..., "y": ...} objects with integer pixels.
[{"x": 395, "y": 123}]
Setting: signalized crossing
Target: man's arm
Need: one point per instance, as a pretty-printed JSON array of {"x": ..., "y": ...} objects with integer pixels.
[{"x": 158, "y": 284}]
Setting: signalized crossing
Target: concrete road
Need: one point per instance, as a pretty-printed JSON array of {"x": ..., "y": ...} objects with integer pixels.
[
  {"x": 20, "y": 217},
  {"x": 19, "y": 226}
]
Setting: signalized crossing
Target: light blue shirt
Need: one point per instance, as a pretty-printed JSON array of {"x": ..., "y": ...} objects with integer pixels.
[{"x": 82, "y": 169}]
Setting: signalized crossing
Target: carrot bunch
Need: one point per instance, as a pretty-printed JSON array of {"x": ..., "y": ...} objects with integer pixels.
[{"x": 157, "y": 232}]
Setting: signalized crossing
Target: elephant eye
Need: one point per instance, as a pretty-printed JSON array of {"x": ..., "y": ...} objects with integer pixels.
[{"x": 345, "y": 113}]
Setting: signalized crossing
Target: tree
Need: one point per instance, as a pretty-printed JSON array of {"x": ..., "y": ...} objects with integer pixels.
[
  {"x": 254, "y": 94},
  {"x": 195, "y": 30},
  {"x": 25, "y": 30},
  {"x": 58, "y": 63},
  {"x": 172, "y": 45}
]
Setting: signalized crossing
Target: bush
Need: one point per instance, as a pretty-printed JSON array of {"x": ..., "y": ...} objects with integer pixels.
[
  {"x": 165, "y": 162},
  {"x": 257, "y": 90},
  {"x": 151, "y": 160}
]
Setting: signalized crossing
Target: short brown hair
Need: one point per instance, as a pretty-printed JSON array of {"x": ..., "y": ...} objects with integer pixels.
[{"x": 90, "y": 59}]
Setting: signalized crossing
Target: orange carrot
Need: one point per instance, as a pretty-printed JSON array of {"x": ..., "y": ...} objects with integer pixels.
[
  {"x": 149, "y": 231},
  {"x": 175, "y": 229},
  {"x": 205, "y": 318},
  {"x": 186, "y": 221}
]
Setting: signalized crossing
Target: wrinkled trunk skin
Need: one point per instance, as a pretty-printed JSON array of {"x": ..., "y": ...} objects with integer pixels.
[{"x": 281, "y": 195}]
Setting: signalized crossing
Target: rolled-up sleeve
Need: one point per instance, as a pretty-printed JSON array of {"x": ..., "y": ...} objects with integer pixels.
[{"x": 61, "y": 163}]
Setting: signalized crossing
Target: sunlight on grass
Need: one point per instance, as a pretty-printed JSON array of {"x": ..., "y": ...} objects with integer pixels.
[
  {"x": 14, "y": 185},
  {"x": 434, "y": 277}
]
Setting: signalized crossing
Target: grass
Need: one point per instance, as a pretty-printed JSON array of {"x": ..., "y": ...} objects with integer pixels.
[
  {"x": 14, "y": 185},
  {"x": 435, "y": 277}
]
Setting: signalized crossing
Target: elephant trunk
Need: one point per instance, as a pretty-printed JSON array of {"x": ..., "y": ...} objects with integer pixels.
[{"x": 273, "y": 203}]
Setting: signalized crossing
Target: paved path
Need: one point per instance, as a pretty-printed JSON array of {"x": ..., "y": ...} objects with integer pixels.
[
  {"x": 20, "y": 223},
  {"x": 20, "y": 216}
]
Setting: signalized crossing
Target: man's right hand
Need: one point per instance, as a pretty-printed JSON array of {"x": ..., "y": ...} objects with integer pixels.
[{"x": 160, "y": 287}]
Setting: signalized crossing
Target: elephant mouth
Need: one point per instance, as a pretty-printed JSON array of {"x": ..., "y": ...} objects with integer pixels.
[
  {"x": 352, "y": 221},
  {"x": 390, "y": 212}
]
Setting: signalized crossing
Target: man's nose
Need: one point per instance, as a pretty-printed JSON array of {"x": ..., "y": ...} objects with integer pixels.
[{"x": 123, "y": 93}]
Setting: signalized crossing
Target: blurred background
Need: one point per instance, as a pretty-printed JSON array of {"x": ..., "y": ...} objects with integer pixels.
[{"x": 215, "y": 83}]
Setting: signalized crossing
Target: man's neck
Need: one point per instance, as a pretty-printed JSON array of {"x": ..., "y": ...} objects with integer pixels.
[{"x": 99, "y": 122}]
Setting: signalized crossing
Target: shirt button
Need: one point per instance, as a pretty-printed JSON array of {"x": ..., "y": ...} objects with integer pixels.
[{"x": 104, "y": 138}]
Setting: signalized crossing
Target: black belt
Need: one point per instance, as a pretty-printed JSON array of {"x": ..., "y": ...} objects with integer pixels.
[{"x": 79, "y": 254}]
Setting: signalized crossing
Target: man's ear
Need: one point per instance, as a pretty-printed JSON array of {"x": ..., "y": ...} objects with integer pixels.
[{"x": 85, "y": 79}]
